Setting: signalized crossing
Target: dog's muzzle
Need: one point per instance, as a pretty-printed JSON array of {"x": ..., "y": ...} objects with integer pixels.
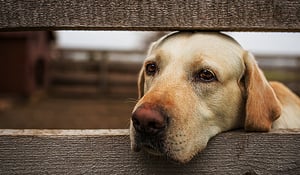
[{"x": 150, "y": 123}]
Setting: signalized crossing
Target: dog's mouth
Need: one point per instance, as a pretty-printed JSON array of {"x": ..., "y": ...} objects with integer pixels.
[
  {"x": 152, "y": 150},
  {"x": 152, "y": 145}
]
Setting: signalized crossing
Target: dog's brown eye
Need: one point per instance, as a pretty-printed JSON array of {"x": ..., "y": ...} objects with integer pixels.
[
  {"x": 151, "y": 69},
  {"x": 205, "y": 75}
]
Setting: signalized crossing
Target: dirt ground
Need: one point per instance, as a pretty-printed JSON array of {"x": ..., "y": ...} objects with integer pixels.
[{"x": 70, "y": 113}]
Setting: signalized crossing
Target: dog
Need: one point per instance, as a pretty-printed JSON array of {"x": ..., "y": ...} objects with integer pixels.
[{"x": 194, "y": 85}]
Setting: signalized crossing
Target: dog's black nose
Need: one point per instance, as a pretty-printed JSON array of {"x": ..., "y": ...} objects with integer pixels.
[{"x": 149, "y": 120}]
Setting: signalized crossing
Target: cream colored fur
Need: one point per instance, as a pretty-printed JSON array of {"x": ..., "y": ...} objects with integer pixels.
[{"x": 240, "y": 97}]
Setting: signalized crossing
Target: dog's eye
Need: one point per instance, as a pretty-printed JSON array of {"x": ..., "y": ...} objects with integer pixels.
[
  {"x": 205, "y": 75},
  {"x": 151, "y": 69}
]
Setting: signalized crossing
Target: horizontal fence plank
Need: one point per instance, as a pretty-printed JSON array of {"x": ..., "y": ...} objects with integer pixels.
[
  {"x": 243, "y": 15},
  {"x": 108, "y": 152}
]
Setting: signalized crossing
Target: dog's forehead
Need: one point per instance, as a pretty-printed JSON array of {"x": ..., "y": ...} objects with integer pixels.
[{"x": 189, "y": 45}]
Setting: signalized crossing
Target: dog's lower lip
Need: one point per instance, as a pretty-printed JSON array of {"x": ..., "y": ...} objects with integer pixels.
[
  {"x": 148, "y": 148},
  {"x": 152, "y": 150}
]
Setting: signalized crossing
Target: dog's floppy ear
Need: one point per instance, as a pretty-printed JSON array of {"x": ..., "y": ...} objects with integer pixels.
[
  {"x": 141, "y": 82},
  {"x": 262, "y": 106}
]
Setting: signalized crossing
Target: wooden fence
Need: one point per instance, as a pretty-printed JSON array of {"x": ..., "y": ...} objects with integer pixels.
[
  {"x": 283, "y": 68},
  {"x": 98, "y": 73},
  {"x": 76, "y": 152},
  {"x": 95, "y": 73},
  {"x": 226, "y": 15},
  {"x": 108, "y": 152}
]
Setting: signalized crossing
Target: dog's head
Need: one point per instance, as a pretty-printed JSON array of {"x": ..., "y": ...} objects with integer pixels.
[{"x": 193, "y": 86}]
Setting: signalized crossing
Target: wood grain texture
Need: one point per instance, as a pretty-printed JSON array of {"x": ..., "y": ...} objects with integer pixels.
[
  {"x": 85, "y": 152},
  {"x": 227, "y": 15}
]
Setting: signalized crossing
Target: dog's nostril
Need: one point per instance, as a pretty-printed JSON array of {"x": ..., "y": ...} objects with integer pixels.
[{"x": 148, "y": 121}]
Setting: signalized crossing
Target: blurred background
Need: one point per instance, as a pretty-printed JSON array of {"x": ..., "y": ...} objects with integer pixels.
[{"x": 87, "y": 79}]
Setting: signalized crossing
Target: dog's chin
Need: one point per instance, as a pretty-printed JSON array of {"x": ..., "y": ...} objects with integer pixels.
[
  {"x": 152, "y": 151},
  {"x": 159, "y": 152},
  {"x": 137, "y": 147},
  {"x": 156, "y": 148},
  {"x": 168, "y": 156}
]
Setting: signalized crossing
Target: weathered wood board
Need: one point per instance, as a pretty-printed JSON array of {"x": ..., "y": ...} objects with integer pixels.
[
  {"x": 108, "y": 152},
  {"x": 228, "y": 15}
]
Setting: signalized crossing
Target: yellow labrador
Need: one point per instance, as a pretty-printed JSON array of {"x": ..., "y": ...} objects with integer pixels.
[{"x": 194, "y": 85}]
